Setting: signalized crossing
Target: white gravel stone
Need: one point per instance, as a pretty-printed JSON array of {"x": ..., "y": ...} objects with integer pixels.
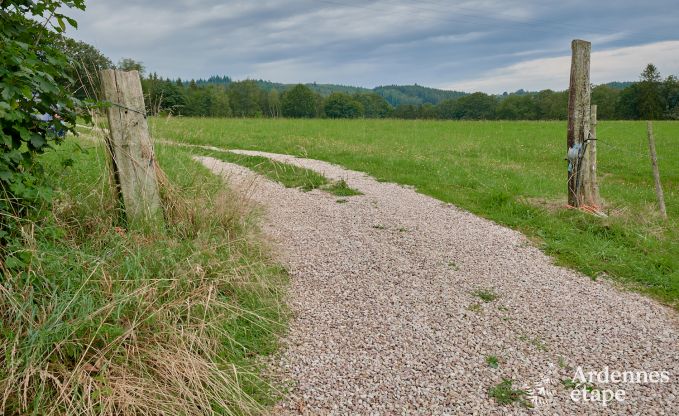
[{"x": 383, "y": 321}]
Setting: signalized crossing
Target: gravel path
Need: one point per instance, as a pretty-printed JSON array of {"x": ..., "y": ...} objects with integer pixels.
[{"x": 388, "y": 317}]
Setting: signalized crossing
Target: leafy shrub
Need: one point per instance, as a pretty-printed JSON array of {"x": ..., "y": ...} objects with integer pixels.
[{"x": 36, "y": 110}]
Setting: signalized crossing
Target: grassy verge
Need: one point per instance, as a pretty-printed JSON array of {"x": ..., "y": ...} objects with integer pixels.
[
  {"x": 98, "y": 320},
  {"x": 511, "y": 172},
  {"x": 287, "y": 175}
]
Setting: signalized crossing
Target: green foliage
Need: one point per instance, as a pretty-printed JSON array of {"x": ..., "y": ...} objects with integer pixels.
[
  {"x": 36, "y": 109},
  {"x": 339, "y": 105},
  {"x": 215, "y": 80},
  {"x": 273, "y": 104},
  {"x": 220, "y": 105},
  {"x": 552, "y": 105},
  {"x": 416, "y": 95},
  {"x": 517, "y": 107},
  {"x": 85, "y": 62},
  {"x": 616, "y": 100},
  {"x": 605, "y": 98},
  {"x": 627, "y": 106},
  {"x": 486, "y": 295},
  {"x": 504, "y": 394},
  {"x": 109, "y": 322},
  {"x": 245, "y": 98},
  {"x": 374, "y": 105},
  {"x": 406, "y": 111},
  {"x": 129, "y": 64},
  {"x": 165, "y": 96},
  {"x": 341, "y": 188},
  {"x": 299, "y": 102},
  {"x": 650, "y": 101},
  {"x": 477, "y": 106},
  {"x": 492, "y": 361},
  {"x": 671, "y": 93}
]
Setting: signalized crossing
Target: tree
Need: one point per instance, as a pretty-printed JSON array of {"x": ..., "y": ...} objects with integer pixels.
[
  {"x": 605, "y": 99},
  {"x": 671, "y": 94},
  {"x": 551, "y": 105},
  {"x": 340, "y": 105},
  {"x": 219, "y": 102},
  {"x": 517, "y": 107},
  {"x": 405, "y": 111},
  {"x": 36, "y": 109},
  {"x": 627, "y": 106},
  {"x": 245, "y": 98},
  {"x": 374, "y": 105},
  {"x": 477, "y": 106},
  {"x": 273, "y": 103},
  {"x": 197, "y": 102},
  {"x": 299, "y": 102},
  {"x": 162, "y": 95},
  {"x": 85, "y": 62},
  {"x": 650, "y": 101},
  {"x": 129, "y": 64},
  {"x": 427, "y": 111},
  {"x": 447, "y": 109}
]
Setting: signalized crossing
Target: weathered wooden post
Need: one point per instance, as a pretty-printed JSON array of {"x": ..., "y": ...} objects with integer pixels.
[
  {"x": 656, "y": 173},
  {"x": 131, "y": 150},
  {"x": 578, "y": 118},
  {"x": 590, "y": 187}
]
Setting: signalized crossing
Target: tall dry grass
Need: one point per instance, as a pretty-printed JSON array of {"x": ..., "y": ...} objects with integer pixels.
[{"x": 99, "y": 320}]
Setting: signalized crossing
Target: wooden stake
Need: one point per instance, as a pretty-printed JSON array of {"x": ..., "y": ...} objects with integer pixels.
[
  {"x": 656, "y": 173},
  {"x": 578, "y": 118},
  {"x": 590, "y": 187},
  {"x": 131, "y": 149}
]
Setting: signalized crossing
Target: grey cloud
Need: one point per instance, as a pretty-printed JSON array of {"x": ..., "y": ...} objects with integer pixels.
[{"x": 356, "y": 42}]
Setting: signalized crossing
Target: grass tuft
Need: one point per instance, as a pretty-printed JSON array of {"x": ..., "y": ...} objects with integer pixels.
[
  {"x": 486, "y": 295},
  {"x": 341, "y": 188},
  {"x": 504, "y": 394},
  {"x": 492, "y": 361}
]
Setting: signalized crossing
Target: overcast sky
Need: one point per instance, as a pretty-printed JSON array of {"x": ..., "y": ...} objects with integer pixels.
[{"x": 484, "y": 45}]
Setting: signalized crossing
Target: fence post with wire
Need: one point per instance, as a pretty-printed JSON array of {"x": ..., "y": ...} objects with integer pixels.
[
  {"x": 131, "y": 150},
  {"x": 581, "y": 157}
]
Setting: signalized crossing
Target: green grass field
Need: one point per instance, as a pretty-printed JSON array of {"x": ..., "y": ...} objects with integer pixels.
[{"x": 511, "y": 172}]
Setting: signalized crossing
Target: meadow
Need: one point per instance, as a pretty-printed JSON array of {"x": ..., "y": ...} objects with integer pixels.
[{"x": 512, "y": 172}]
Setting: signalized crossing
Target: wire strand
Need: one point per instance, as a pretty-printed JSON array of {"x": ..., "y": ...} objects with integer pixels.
[{"x": 143, "y": 113}]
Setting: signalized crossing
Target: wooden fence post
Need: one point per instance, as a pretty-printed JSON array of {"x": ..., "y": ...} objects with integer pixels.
[
  {"x": 578, "y": 118},
  {"x": 131, "y": 150},
  {"x": 656, "y": 173},
  {"x": 590, "y": 187}
]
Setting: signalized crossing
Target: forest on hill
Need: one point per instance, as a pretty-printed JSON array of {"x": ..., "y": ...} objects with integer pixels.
[{"x": 220, "y": 96}]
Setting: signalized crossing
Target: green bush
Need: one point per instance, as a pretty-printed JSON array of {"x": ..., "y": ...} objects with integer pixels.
[{"x": 35, "y": 108}]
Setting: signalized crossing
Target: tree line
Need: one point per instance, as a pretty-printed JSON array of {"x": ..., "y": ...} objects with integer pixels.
[{"x": 652, "y": 97}]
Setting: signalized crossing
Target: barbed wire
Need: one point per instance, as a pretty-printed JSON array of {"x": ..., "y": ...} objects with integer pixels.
[{"x": 143, "y": 113}]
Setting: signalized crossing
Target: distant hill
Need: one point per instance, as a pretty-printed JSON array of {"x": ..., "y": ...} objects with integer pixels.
[
  {"x": 619, "y": 85},
  {"x": 415, "y": 94},
  {"x": 394, "y": 94},
  {"x": 323, "y": 89}
]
